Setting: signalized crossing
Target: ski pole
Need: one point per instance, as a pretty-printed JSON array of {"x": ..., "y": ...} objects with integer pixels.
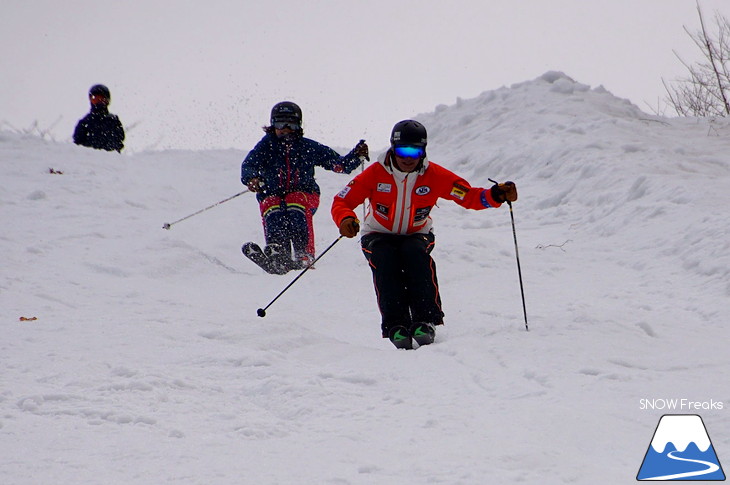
[
  {"x": 168, "y": 225},
  {"x": 519, "y": 269},
  {"x": 262, "y": 311},
  {"x": 517, "y": 254}
]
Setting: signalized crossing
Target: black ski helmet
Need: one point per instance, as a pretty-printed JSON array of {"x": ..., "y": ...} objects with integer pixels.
[
  {"x": 100, "y": 90},
  {"x": 408, "y": 132},
  {"x": 286, "y": 111}
]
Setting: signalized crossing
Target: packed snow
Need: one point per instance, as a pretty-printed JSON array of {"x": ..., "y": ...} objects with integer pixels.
[{"x": 131, "y": 354}]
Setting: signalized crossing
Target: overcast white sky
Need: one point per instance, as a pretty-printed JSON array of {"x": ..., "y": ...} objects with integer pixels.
[{"x": 193, "y": 74}]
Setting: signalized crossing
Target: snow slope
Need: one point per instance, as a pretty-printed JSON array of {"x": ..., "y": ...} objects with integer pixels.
[{"x": 147, "y": 363}]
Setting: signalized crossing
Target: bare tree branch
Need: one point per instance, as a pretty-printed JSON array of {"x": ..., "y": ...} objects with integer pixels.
[{"x": 706, "y": 90}]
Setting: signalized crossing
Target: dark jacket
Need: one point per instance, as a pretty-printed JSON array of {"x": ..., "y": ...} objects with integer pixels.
[
  {"x": 100, "y": 129},
  {"x": 288, "y": 166}
]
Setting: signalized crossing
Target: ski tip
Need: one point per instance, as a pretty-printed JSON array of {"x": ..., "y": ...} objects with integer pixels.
[{"x": 261, "y": 312}]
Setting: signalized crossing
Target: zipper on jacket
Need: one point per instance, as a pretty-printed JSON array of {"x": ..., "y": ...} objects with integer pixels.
[
  {"x": 402, "y": 204},
  {"x": 288, "y": 168}
]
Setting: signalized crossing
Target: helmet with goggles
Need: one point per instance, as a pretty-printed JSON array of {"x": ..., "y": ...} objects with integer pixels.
[
  {"x": 286, "y": 114},
  {"x": 100, "y": 90},
  {"x": 99, "y": 94},
  {"x": 408, "y": 139}
]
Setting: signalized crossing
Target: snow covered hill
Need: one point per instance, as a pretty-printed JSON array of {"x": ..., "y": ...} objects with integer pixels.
[{"x": 146, "y": 362}]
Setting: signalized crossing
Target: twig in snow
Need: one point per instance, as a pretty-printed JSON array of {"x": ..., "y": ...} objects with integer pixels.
[{"x": 560, "y": 246}]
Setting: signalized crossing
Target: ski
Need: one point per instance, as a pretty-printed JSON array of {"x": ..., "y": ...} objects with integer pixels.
[
  {"x": 423, "y": 333},
  {"x": 271, "y": 265},
  {"x": 420, "y": 333},
  {"x": 401, "y": 337}
]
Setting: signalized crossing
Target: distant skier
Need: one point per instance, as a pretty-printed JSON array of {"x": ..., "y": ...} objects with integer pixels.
[
  {"x": 100, "y": 129},
  {"x": 397, "y": 236},
  {"x": 280, "y": 169}
]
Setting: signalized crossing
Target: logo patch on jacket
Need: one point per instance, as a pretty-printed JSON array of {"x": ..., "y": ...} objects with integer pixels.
[
  {"x": 382, "y": 209},
  {"x": 420, "y": 216},
  {"x": 343, "y": 193},
  {"x": 423, "y": 190},
  {"x": 384, "y": 187},
  {"x": 458, "y": 191}
]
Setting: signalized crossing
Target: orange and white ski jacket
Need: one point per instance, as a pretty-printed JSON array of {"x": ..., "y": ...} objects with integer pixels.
[{"x": 401, "y": 203}]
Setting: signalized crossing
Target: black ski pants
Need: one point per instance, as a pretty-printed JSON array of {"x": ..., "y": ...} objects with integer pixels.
[{"x": 404, "y": 275}]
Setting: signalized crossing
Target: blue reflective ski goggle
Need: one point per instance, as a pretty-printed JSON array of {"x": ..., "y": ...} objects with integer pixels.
[
  {"x": 409, "y": 151},
  {"x": 280, "y": 125}
]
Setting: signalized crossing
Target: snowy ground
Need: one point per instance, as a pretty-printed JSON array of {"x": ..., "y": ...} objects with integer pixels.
[{"x": 147, "y": 363}]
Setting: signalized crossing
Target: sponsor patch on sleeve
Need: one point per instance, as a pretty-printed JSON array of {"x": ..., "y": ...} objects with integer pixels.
[
  {"x": 458, "y": 191},
  {"x": 343, "y": 193}
]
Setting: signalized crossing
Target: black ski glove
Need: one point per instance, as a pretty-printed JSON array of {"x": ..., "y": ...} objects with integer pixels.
[
  {"x": 506, "y": 192},
  {"x": 361, "y": 150}
]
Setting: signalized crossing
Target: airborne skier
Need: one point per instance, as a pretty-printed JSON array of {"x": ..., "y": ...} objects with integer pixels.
[{"x": 280, "y": 169}]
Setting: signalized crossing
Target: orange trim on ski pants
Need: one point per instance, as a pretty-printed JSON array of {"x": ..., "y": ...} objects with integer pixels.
[{"x": 404, "y": 276}]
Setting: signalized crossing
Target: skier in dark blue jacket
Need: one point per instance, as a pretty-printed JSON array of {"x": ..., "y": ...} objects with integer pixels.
[
  {"x": 100, "y": 129},
  {"x": 280, "y": 169}
]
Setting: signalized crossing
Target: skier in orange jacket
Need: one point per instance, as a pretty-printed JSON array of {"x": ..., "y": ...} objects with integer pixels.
[{"x": 397, "y": 231}]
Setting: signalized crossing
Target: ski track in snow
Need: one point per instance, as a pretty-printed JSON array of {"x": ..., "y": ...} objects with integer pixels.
[{"x": 147, "y": 362}]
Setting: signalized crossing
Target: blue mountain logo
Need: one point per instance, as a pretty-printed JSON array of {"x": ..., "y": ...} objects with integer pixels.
[{"x": 681, "y": 450}]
